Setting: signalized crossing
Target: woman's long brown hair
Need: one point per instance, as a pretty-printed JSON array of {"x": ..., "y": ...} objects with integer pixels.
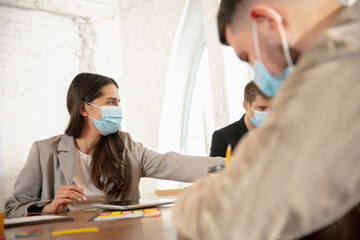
[{"x": 108, "y": 167}]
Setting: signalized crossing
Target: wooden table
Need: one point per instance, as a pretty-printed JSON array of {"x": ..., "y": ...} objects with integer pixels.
[{"x": 137, "y": 228}]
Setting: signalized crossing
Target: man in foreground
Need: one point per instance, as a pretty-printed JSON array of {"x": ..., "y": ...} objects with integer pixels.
[{"x": 306, "y": 175}]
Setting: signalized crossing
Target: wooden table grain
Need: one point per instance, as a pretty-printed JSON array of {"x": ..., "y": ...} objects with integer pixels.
[{"x": 160, "y": 228}]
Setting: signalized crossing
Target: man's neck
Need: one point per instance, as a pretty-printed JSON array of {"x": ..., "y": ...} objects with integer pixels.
[
  {"x": 248, "y": 123},
  {"x": 321, "y": 21}
]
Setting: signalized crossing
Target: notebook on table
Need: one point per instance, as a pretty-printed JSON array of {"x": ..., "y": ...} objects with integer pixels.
[
  {"x": 32, "y": 220},
  {"x": 134, "y": 204}
]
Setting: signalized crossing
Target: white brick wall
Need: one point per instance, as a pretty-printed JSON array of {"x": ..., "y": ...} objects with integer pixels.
[
  {"x": 40, "y": 53},
  {"x": 38, "y": 59}
]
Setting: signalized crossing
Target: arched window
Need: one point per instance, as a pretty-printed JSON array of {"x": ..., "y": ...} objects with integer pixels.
[
  {"x": 198, "y": 124},
  {"x": 187, "y": 120},
  {"x": 183, "y": 67},
  {"x": 187, "y": 73}
]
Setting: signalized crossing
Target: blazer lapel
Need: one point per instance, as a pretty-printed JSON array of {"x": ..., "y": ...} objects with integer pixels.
[{"x": 66, "y": 156}]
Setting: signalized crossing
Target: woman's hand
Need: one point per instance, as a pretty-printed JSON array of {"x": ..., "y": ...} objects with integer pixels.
[{"x": 64, "y": 196}]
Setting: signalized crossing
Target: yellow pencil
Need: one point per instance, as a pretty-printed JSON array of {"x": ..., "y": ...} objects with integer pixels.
[
  {"x": 2, "y": 227},
  {"x": 228, "y": 154},
  {"x": 77, "y": 230}
]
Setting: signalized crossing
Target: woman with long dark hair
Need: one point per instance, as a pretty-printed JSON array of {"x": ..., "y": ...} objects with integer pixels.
[{"x": 93, "y": 161}]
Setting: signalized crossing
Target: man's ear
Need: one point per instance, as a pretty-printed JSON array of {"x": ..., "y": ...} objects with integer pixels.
[
  {"x": 264, "y": 14},
  {"x": 246, "y": 105},
  {"x": 83, "y": 109}
]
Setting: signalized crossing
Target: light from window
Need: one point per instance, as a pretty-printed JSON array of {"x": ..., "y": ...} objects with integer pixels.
[
  {"x": 238, "y": 74},
  {"x": 200, "y": 120}
]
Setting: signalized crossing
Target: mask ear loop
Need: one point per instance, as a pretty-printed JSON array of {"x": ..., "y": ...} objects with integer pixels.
[
  {"x": 283, "y": 38},
  {"x": 252, "y": 110},
  {"x": 93, "y": 106},
  {"x": 256, "y": 41}
]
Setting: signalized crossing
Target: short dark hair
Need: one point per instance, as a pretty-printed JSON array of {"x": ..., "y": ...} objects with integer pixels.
[
  {"x": 226, "y": 13},
  {"x": 251, "y": 91}
]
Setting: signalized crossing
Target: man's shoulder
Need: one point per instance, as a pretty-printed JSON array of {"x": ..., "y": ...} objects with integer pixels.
[
  {"x": 230, "y": 129},
  {"x": 333, "y": 58},
  {"x": 340, "y": 41}
]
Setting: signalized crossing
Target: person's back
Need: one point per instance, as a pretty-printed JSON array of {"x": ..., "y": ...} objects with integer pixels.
[
  {"x": 306, "y": 176},
  {"x": 347, "y": 227}
]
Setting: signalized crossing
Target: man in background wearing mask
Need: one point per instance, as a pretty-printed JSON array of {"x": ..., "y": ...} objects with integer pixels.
[
  {"x": 257, "y": 107},
  {"x": 299, "y": 172}
]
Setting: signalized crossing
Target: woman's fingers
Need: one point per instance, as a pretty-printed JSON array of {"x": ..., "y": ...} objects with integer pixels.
[
  {"x": 64, "y": 196},
  {"x": 79, "y": 195},
  {"x": 70, "y": 194},
  {"x": 75, "y": 193},
  {"x": 74, "y": 188}
]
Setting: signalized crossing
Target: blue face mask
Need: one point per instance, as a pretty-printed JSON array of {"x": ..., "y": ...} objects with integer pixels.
[
  {"x": 110, "y": 121},
  {"x": 266, "y": 82},
  {"x": 259, "y": 118}
]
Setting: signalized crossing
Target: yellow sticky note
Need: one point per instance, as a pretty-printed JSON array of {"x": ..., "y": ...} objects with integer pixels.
[
  {"x": 115, "y": 213},
  {"x": 111, "y": 216},
  {"x": 150, "y": 210}
]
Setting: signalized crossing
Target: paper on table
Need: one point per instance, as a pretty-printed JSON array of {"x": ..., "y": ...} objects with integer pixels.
[{"x": 23, "y": 221}]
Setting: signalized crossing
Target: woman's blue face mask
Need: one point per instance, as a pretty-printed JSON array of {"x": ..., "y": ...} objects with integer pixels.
[
  {"x": 110, "y": 121},
  {"x": 266, "y": 82}
]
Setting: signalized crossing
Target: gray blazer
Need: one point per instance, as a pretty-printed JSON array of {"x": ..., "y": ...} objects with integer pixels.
[{"x": 50, "y": 165}]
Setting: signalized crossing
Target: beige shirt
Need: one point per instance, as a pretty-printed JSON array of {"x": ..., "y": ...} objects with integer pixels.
[
  {"x": 51, "y": 162},
  {"x": 301, "y": 170}
]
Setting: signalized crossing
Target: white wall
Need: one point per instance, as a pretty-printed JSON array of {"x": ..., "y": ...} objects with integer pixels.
[
  {"x": 148, "y": 30},
  {"x": 45, "y": 43},
  {"x": 41, "y": 50},
  {"x": 38, "y": 58}
]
